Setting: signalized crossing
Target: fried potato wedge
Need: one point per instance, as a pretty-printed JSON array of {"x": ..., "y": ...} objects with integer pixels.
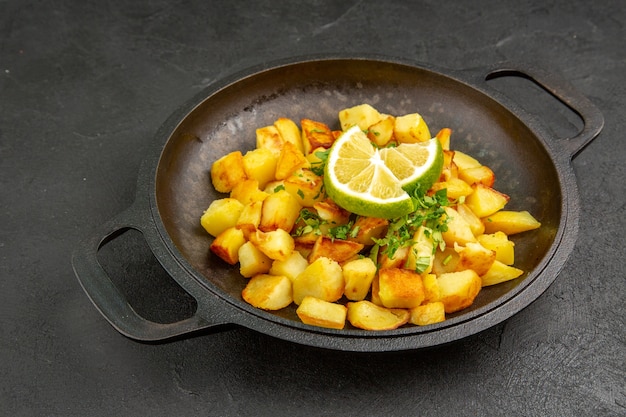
[
  {"x": 458, "y": 289},
  {"x": 276, "y": 244},
  {"x": 400, "y": 288},
  {"x": 289, "y": 161},
  {"x": 226, "y": 245},
  {"x": 221, "y": 215},
  {"x": 268, "y": 292},
  {"x": 476, "y": 257},
  {"x": 260, "y": 164},
  {"x": 362, "y": 115},
  {"x": 227, "y": 172},
  {"x": 280, "y": 211},
  {"x": 252, "y": 261},
  {"x": 510, "y": 222},
  {"x": 358, "y": 275},
  {"x": 485, "y": 201},
  {"x": 336, "y": 249},
  {"x": 291, "y": 266},
  {"x": 426, "y": 314},
  {"x": 322, "y": 313},
  {"x": 368, "y": 316},
  {"x": 315, "y": 135},
  {"x": 322, "y": 279},
  {"x": 499, "y": 272}
]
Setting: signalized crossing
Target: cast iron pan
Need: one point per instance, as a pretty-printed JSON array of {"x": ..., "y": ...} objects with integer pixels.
[{"x": 174, "y": 188}]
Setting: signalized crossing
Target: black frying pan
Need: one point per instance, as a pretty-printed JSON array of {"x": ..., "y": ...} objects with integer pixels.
[{"x": 174, "y": 188}]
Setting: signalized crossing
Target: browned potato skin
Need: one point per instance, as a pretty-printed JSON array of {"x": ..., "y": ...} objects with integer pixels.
[
  {"x": 336, "y": 249},
  {"x": 290, "y": 160},
  {"x": 268, "y": 292},
  {"x": 315, "y": 135},
  {"x": 476, "y": 257},
  {"x": 369, "y": 316},
  {"x": 400, "y": 288},
  {"x": 458, "y": 289},
  {"x": 510, "y": 222},
  {"x": 227, "y": 172},
  {"x": 485, "y": 201},
  {"x": 226, "y": 245},
  {"x": 322, "y": 313},
  {"x": 426, "y": 314},
  {"x": 280, "y": 211},
  {"x": 368, "y": 228}
]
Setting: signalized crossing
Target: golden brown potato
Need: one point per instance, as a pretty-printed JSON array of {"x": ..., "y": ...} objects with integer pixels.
[
  {"x": 445, "y": 261},
  {"x": 248, "y": 191},
  {"x": 485, "y": 201},
  {"x": 464, "y": 161},
  {"x": 449, "y": 169},
  {"x": 478, "y": 175},
  {"x": 331, "y": 213},
  {"x": 280, "y": 211},
  {"x": 268, "y": 137},
  {"x": 510, "y": 222},
  {"x": 362, "y": 115},
  {"x": 459, "y": 229},
  {"x": 358, "y": 275},
  {"x": 458, "y": 289},
  {"x": 374, "y": 298},
  {"x": 250, "y": 218},
  {"x": 500, "y": 243},
  {"x": 456, "y": 187},
  {"x": 398, "y": 260},
  {"x": 400, "y": 288},
  {"x": 336, "y": 249},
  {"x": 226, "y": 245},
  {"x": 500, "y": 272},
  {"x": 381, "y": 132},
  {"x": 291, "y": 267},
  {"x": 368, "y": 228},
  {"x": 428, "y": 314},
  {"x": 369, "y": 316},
  {"x": 252, "y": 261},
  {"x": 305, "y": 186},
  {"x": 227, "y": 172},
  {"x": 444, "y": 138},
  {"x": 268, "y": 292},
  {"x": 289, "y": 161},
  {"x": 322, "y": 279},
  {"x": 422, "y": 253},
  {"x": 475, "y": 223},
  {"x": 322, "y": 313},
  {"x": 315, "y": 135},
  {"x": 289, "y": 132},
  {"x": 411, "y": 128},
  {"x": 475, "y": 257},
  {"x": 431, "y": 288},
  {"x": 260, "y": 164},
  {"x": 221, "y": 215},
  {"x": 276, "y": 244}
]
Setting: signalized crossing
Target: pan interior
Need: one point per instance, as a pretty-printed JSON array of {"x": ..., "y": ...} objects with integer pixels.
[{"x": 226, "y": 121}]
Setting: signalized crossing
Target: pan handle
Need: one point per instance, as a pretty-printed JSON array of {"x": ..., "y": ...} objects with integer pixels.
[
  {"x": 110, "y": 301},
  {"x": 592, "y": 118}
]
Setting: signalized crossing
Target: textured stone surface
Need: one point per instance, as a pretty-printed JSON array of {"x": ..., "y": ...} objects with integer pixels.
[{"x": 85, "y": 85}]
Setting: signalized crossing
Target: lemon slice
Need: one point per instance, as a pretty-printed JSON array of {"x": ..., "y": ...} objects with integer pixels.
[{"x": 376, "y": 182}]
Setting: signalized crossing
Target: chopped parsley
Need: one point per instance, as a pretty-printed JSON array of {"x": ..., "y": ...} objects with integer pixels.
[
  {"x": 429, "y": 212},
  {"x": 318, "y": 167}
]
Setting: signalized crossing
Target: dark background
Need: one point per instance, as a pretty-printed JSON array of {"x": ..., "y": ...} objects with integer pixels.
[{"x": 84, "y": 85}]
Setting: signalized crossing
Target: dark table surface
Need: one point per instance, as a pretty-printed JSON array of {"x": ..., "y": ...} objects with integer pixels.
[{"x": 84, "y": 86}]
